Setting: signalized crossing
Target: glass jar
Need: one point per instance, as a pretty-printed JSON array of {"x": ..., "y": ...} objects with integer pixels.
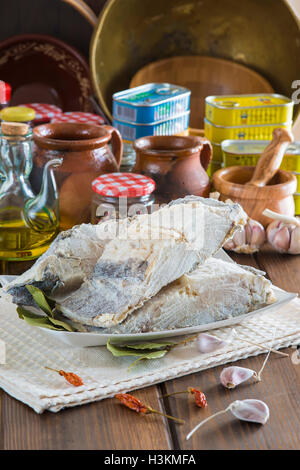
[
  {"x": 128, "y": 158},
  {"x": 5, "y": 93},
  {"x": 120, "y": 195},
  {"x": 18, "y": 114}
]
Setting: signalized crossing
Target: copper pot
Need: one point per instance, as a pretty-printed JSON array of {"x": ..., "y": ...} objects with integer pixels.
[
  {"x": 86, "y": 155},
  {"x": 177, "y": 164}
]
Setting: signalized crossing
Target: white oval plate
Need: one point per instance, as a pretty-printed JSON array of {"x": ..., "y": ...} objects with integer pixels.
[{"x": 83, "y": 340}]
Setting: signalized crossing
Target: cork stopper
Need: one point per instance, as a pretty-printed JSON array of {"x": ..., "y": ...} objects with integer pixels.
[{"x": 14, "y": 128}]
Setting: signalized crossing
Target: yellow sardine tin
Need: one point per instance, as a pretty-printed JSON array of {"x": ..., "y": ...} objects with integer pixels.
[
  {"x": 241, "y": 110},
  {"x": 216, "y": 133},
  {"x": 247, "y": 153}
]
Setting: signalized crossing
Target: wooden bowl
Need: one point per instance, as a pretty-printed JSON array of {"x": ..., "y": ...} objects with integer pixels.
[
  {"x": 278, "y": 195},
  {"x": 204, "y": 76}
]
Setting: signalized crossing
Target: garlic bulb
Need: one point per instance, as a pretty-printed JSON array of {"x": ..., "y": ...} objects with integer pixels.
[
  {"x": 284, "y": 233},
  {"x": 249, "y": 239}
]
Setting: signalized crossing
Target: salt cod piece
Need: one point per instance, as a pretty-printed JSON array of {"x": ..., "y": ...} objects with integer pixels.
[
  {"x": 63, "y": 267},
  {"x": 158, "y": 249},
  {"x": 215, "y": 291}
]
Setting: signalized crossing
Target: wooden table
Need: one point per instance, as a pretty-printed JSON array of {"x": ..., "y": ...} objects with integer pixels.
[{"x": 110, "y": 426}]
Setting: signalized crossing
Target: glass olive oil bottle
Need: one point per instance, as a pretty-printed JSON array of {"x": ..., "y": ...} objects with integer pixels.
[{"x": 28, "y": 223}]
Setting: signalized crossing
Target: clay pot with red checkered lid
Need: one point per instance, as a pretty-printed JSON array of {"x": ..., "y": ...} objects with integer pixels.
[
  {"x": 119, "y": 195},
  {"x": 86, "y": 155}
]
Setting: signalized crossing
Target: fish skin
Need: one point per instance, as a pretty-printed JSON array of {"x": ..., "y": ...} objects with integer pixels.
[
  {"x": 107, "y": 300},
  {"x": 63, "y": 267},
  {"x": 214, "y": 291}
]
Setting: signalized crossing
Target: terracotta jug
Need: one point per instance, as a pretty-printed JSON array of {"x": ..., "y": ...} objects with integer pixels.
[
  {"x": 86, "y": 155},
  {"x": 177, "y": 164}
]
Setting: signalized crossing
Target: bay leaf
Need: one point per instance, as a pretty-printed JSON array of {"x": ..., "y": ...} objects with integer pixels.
[
  {"x": 36, "y": 320},
  {"x": 40, "y": 299},
  {"x": 118, "y": 351},
  {"x": 61, "y": 323}
]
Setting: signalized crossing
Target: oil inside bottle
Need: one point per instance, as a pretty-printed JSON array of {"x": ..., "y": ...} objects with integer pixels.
[{"x": 20, "y": 242}]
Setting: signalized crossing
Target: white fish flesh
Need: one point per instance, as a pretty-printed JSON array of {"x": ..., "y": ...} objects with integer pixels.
[
  {"x": 158, "y": 249},
  {"x": 215, "y": 291},
  {"x": 63, "y": 267}
]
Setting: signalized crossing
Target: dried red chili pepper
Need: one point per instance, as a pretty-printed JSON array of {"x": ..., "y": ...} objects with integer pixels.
[
  {"x": 131, "y": 402},
  {"x": 136, "y": 405},
  {"x": 200, "y": 398},
  {"x": 70, "y": 377}
]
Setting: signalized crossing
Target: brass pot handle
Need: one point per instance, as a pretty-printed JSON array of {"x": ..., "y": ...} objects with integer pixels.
[{"x": 84, "y": 10}]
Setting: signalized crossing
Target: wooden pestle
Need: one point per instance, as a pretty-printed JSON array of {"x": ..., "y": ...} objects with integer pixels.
[{"x": 271, "y": 158}]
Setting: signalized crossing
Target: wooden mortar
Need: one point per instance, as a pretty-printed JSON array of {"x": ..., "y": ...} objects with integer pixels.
[{"x": 261, "y": 187}]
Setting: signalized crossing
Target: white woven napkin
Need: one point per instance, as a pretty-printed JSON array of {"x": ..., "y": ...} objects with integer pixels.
[{"x": 29, "y": 350}]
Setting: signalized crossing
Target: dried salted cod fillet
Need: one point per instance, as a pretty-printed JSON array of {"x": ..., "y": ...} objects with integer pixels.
[
  {"x": 63, "y": 267},
  {"x": 212, "y": 292},
  {"x": 156, "y": 250}
]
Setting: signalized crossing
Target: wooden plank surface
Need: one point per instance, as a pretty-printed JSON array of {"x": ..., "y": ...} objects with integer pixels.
[
  {"x": 101, "y": 425},
  {"x": 108, "y": 425}
]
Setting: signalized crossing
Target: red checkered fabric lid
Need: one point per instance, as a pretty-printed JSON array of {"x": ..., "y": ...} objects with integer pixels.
[
  {"x": 5, "y": 92},
  {"x": 123, "y": 184},
  {"x": 79, "y": 117},
  {"x": 44, "y": 112}
]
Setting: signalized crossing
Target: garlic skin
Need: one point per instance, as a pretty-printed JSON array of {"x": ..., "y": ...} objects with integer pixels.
[
  {"x": 232, "y": 376},
  {"x": 284, "y": 237},
  {"x": 255, "y": 411},
  {"x": 251, "y": 410},
  {"x": 207, "y": 343},
  {"x": 249, "y": 239}
]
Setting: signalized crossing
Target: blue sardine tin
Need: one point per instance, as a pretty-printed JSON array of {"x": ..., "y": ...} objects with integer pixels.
[
  {"x": 131, "y": 131},
  {"x": 150, "y": 103}
]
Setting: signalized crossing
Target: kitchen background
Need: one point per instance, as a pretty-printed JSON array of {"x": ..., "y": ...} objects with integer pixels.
[{"x": 55, "y": 18}]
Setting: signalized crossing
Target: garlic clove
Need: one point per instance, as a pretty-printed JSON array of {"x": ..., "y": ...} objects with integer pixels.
[
  {"x": 281, "y": 240},
  {"x": 207, "y": 343},
  {"x": 248, "y": 239},
  {"x": 230, "y": 377},
  {"x": 240, "y": 238},
  {"x": 258, "y": 235},
  {"x": 295, "y": 241},
  {"x": 272, "y": 230},
  {"x": 255, "y": 411}
]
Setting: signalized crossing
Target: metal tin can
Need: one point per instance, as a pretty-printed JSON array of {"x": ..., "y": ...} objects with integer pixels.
[
  {"x": 217, "y": 133},
  {"x": 247, "y": 153},
  {"x": 151, "y": 103},
  {"x": 213, "y": 167},
  {"x": 131, "y": 132},
  {"x": 297, "y": 203},
  {"x": 240, "y": 110}
]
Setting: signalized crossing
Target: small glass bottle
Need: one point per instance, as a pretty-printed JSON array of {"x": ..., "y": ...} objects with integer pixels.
[
  {"x": 119, "y": 195},
  {"x": 28, "y": 222},
  {"x": 5, "y": 93},
  {"x": 18, "y": 114}
]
